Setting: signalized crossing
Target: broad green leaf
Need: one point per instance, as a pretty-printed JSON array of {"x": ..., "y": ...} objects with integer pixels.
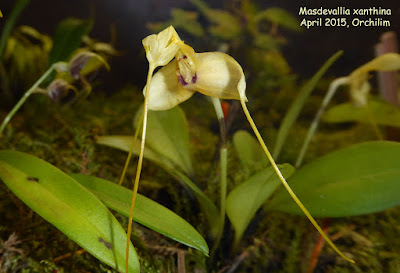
[
  {"x": 168, "y": 135},
  {"x": 147, "y": 212},
  {"x": 124, "y": 143},
  {"x": 249, "y": 151},
  {"x": 208, "y": 207},
  {"x": 294, "y": 110},
  {"x": 382, "y": 112},
  {"x": 66, "y": 204},
  {"x": 243, "y": 202},
  {"x": 68, "y": 38},
  {"x": 360, "y": 179}
]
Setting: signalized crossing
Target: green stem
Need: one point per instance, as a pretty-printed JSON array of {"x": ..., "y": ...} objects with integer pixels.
[
  {"x": 24, "y": 98},
  {"x": 223, "y": 171},
  {"x": 314, "y": 125},
  {"x": 128, "y": 159},
  {"x": 139, "y": 166}
]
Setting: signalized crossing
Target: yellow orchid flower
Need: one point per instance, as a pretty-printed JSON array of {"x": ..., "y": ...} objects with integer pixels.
[
  {"x": 161, "y": 48},
  {"x": 359, "y": 90},
  {"x": 1, "y": 14},
  {"x": 214, "y": 74},
  {"x": 358, "y": 79}
]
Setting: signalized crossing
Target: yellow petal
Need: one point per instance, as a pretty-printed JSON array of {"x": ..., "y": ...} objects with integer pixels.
[
  {"x": 359, "y": 93},
  {"x": 162, "y": 47},
  {"x": 385, "y": 62},
  {"x": 358, "y": 79},
  {"x": 165, "y": 89},
  {"x": 219, "y": 75}
]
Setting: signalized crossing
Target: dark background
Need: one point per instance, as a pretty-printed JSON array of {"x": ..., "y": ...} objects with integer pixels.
[{"x": 305, "y": 51}]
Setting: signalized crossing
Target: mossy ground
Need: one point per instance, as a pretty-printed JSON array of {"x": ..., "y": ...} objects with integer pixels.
[{"x": 274, "y": 242}]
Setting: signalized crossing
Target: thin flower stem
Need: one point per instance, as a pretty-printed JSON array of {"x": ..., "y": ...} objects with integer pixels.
[
  {"x": 286, "y": 185},
  {"x": 24, "y": 98},
  {"x": 139, "y": 166},
  {"x": 128, "y": 159},
  {"x": 314, "y": 125},
  {"x": 223, "y": 171}
]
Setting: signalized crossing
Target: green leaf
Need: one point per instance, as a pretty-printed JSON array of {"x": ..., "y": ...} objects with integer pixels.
[
  {"x": 281, "y": 17},
  {"x": 187, "y": 20},
  {"x": 208, "y": 207},
  {"x": 10, "y": 22},
  {"x": 168, "y": 135},
  {"x": 243, "y": 202},
  {"x": 147, "y": 212},
  {"x": 124, "y": 143},
  {"x": 226, "y": 25},
  {"x": 360, "y": 179},
  {"x": 67, "y": 205},
  {"x": 294, "y": 110},
  {"x": 382, "y": 112},
  {"x": 266, "y": 42},
  {"x": 68, "y": 38},
  {"x": 249, "y": 151}
]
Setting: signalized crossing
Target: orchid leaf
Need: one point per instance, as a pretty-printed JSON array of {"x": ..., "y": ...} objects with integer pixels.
[
  {"x": 281, "y": 17},
  {"x": 243, "y": 202},
  {"x": 293, "y": 113},
  {"x": 63, "y": 202},
  {"x": 363, "y": 178},
  {"x": 124, "y": 143},
  {"x": 9, "y": 24},
  {"x": 68, "y": 38},
  {"x": 249, "y": 151},
  {"x": 382, "y": 112},
  {"x": 225, "y": 25},
  {"x": 168, "y": 135},
  {"x": 147, "y": 212}
]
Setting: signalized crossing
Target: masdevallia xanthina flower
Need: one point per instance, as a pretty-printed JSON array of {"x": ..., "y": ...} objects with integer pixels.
[
  {"x": 183, "y": 73},
  {"x": 359, "y": 88},
  {"x": 214, "y": 74}
]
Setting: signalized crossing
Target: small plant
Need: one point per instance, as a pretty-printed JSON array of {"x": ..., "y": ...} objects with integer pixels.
[
  {"x": 59, "y": 88},
  {"x": 214, "y": 74},
  {"x": 177, "y": 81}
]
